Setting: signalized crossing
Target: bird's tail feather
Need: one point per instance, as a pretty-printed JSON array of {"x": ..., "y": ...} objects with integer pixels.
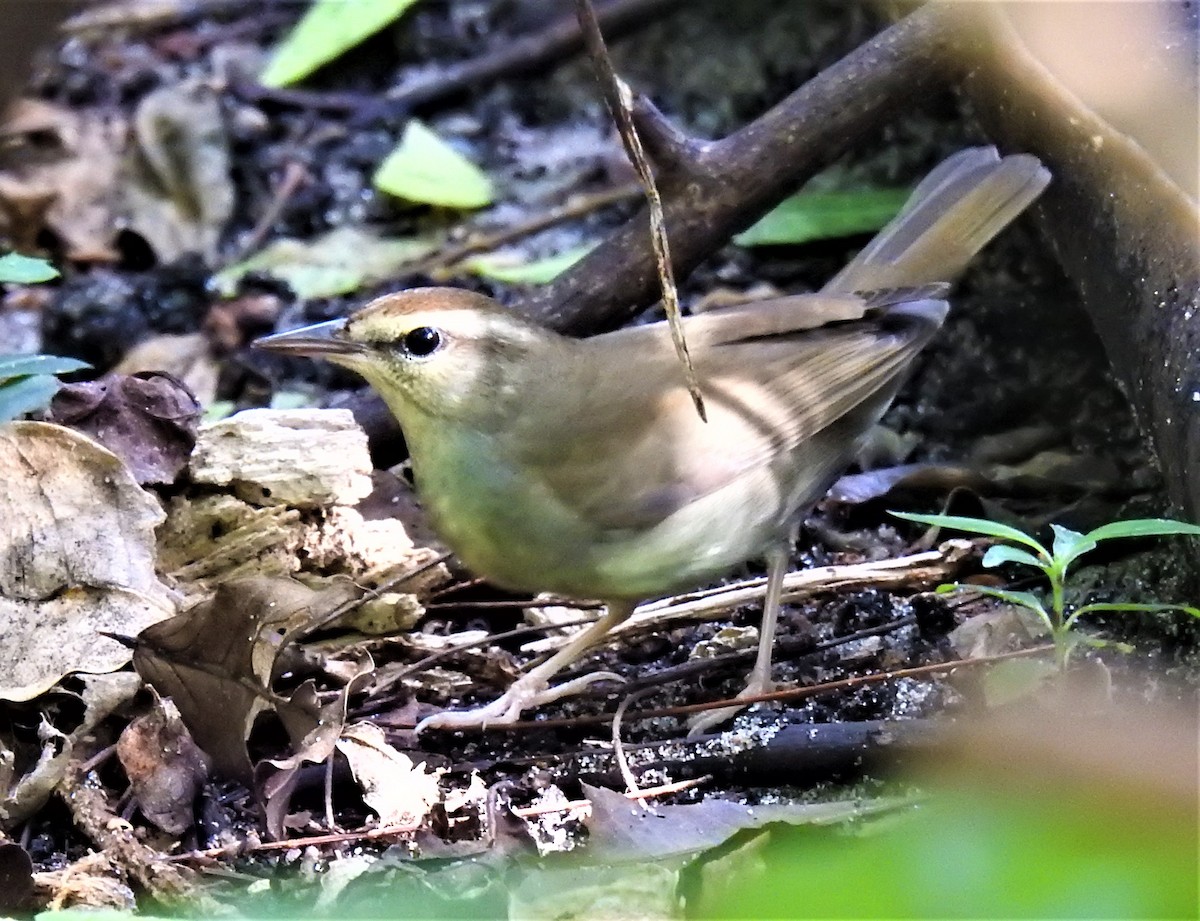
[{"x": 951, "y": 215}]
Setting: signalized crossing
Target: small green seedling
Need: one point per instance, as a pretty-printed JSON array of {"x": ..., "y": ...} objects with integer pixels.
[
  {"x": 27, "y": 382},
  {"x": 1068, "y": 547}
]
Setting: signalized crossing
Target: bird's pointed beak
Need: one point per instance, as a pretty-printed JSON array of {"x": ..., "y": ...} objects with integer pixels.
[{"x": 321, "y": 340}]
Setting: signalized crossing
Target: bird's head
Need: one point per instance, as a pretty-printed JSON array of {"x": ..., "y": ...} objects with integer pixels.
[{"x": 446, "y": 353}]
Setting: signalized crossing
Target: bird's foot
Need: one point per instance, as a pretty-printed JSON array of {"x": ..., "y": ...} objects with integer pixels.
[
  {"x": 709, "y": 719},
  {"x": 528, "y": 692}
]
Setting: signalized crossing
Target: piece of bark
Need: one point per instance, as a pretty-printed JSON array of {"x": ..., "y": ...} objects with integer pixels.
[{"x": 304, "y": 458}]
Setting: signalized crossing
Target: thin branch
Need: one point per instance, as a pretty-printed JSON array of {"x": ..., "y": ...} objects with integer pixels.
[
  {"x": 620, "y": 105},
  {"x": 788, "y": 694},
  {"x": 258, "y": 847},
  {"x": 576, "y": 206},
  {"x": 521, "y": 55},
  {"x": 784, "y": 646},
  {"x": 294, "y": 175},
  {"x": 632, "y": 790}
]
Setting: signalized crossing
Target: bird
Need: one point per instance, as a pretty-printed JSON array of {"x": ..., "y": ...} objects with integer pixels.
[{"x": 581, "y": 466}]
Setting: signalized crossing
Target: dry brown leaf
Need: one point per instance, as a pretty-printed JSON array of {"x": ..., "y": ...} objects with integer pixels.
[
  {"x": 164, "y": 766},
  {"x": 70, "y": 187},
  {"x": 23, "y": 797},
  {"x": 149, "y": 420},
  {"x": 179, "y": 195},
  {"x": 217, "y": 659},
  {"x": 314, "y": 743},
  {"x": 77, "y": 557}
]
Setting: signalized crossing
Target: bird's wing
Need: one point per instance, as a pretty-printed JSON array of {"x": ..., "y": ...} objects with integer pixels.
[{"x": 773, "y": 375}]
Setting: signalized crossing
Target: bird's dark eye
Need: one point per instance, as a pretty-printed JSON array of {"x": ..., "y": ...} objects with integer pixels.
[{"x": 422, "y": 341}]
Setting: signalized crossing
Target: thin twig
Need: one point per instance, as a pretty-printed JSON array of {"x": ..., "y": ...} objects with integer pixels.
[
  {"x": 98, "y": 759},
  {"x": 620, "y": 105},
  {"x": 784, "y": 646},
  {"x": 791, "y": 694},
  {"x": 678, "y": 786},
  {"x": 294, "y": 174},
  {"x": 490, "y": 640},
  {"x": 721, "y": 187},
  {"x": 575, "y": 207},
  {"x": 526, "y": 53},
  {"x": 134, "y": 16},
  {"x": 632, "y": 789},
  {"x": 519, "y": 54},
  {"x": 914, "y": 572},
  {"x": 348, "y": 837},
  {"x": 514, "y": 604},
  {"x": 347, "y": 606}
]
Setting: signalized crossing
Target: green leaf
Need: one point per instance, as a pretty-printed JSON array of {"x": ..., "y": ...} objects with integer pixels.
[
  {"x": 1142, "y": 527},
  {"x": 26, "y": 394},
  {"x": 1069, "y": 545},
  {"x": 1013, "y": 679},
  {"x": 1096, "y": 642},
  {"x": 1003, "y": 553},
  {"x": 823, "y": 215},
  {"x": 25, "y": 365},
  {"x": 977, "y": 526},
  {"x": 496, "y": 267},
  {"x": 218, "y": 410},
  {"x": 293, "y": 399},
  {"x": 329, "y": 28},
  {"x": 25, "y": 270},
  {"x": 339, "y": 262},
  {"x": 1024, "y": 599},
  {"x": 424, "y": 168},
  {"x": 1117, "y": 607}
]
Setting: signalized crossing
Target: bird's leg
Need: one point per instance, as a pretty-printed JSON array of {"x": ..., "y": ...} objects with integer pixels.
[
  {"x": 533, "y": 688},
  {"x": 759, "y": 681}
]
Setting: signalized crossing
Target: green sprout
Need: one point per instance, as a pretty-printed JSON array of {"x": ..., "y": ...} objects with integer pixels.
[
  {"x": 27, "y": 382},
  {"x": 1068, "y": 547}
]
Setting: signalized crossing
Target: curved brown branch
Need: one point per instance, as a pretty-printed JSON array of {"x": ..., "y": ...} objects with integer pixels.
[
  {"x": 674, "y": 154},
  {"x": 722, "y": 187}
]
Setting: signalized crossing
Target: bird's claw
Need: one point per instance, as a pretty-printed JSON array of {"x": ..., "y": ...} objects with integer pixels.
[
  {"x": 524, "y": 695},
  {"x": 709, "y": 719}
]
